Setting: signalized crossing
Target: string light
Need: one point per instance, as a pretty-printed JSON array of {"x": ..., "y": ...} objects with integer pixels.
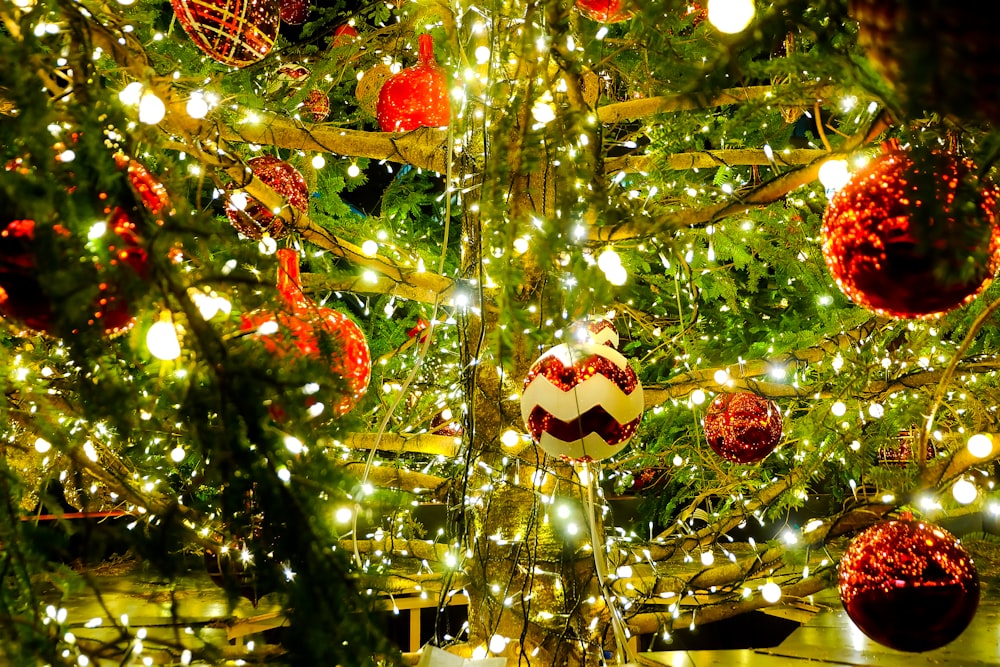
[
  {"x": 161, "y": 339},
  {"x": 731, "y": 16},
  {"x": 151, "y": 108},
  {"x": 980, "y": 445}
]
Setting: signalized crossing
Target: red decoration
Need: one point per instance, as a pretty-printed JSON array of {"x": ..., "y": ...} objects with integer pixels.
[
  {"x": 294, "y": 12},
  {"x": 415, "y": 97},
  {"x": 316, "y": 106},
  {"x": 909, "y": 585},
  {"x": 901, "y": 454},
  {"x": 254, "y": 219},
  {"x": 742, "y": 427},
  {"x": 899, "y": 242},
  {"x": 605, "y": 11},
  {"x": 581, "y": 401},
  {"x": 344, "y": 34},
  {"x": 22, "y": 295},
  {"x": 297, "y": 326},
  {"x": 233, "y": 32}
]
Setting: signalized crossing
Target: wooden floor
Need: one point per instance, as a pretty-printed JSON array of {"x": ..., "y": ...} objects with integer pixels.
[{"x": 831, "y": 639}]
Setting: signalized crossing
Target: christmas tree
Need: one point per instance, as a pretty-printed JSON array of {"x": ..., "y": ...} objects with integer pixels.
[{"x": 279, "y": 278}]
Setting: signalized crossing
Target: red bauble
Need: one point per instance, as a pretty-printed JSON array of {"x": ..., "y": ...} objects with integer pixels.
[
  {"x": 297, "y": 327},
  {"x": 254, "y": 220},
  {"x": 344, "y": 34},
  {"x": 581, "y": 401},
  {"x": 415, "y": 97},
  {"x": 913, "y": 234},
  {"x": 742, "y": 427},
  {"x": 605, "y": 11},
  {"x": 909, "y": 585},
  {"x": 22, "y": 295},
  {"x": 233, "y": 32},
  {"x": 316, "y": 106},
  {"x": 294, "y": 12}
]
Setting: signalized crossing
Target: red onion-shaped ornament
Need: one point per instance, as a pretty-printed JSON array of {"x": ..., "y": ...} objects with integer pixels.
[
  {"x": 913, "y": 234},
  {"x": 253, "y": 219},
  {"x": 581, "y": 402},
  {"x": 236, "y": 33},
  {"x": 297, "y": 326},
  {"x": 909, "y": 585},
  {"x": 742, "y": 427},
  {"x": 605, "y": 11},
  {"x": 417, "y": 96}
]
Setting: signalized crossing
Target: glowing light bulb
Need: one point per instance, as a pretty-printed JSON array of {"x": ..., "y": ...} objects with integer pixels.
[
  {"x": 197, "y": 107},
  {"x": 838, "y": 409},
  {"x": 369, "y": 248},
  {"x": 697, "y": 397},
  {"x": 964, "y": 491},
  {"x": 131, "y": 94},
  {"x": 343, "y": 515},
  {"x": 730, "y": 16},
  {"x": 497, "y": 644},
  {"x": 771, "y": 592},
  {"x": 318, "y": 162},
  {"x": 707, "y": 558},
  {"x": 980, "y": 445},
  {"x": 510, "y": 438},
  {"x": 482, "y": 54},
  {"x": 151, "y": 108},
  {"x": 833, "y": 175},
  {"x": 177, "y": 454},
  {"x": 161, "y": 339},
  {"x": 721, "y": 376},
  {"x": 353, "y": 171}
]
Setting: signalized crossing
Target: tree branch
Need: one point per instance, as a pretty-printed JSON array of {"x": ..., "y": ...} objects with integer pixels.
[{"x": 712, "y": 160}]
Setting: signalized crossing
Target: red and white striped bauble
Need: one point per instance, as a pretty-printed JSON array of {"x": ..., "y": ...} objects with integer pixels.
[
  {"x": 597, "y": 330},
  {"x": 581, "y": 401}
]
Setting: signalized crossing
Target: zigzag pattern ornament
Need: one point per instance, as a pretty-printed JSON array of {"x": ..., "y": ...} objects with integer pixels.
[
  {"x": 581, "y": 402},
  {"x": 233, "y": 32}
]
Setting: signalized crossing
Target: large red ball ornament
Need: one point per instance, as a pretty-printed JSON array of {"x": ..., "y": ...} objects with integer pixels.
[
  {"x": 253, "y": 219},
  {"x": 417, "y": 96},
  {"x": 294, "y": 12},
  {"x": 233, "y": 32},
  {"x": 605, "y": 11},
  {"x": 742, "y": 427},
  {"x": 913, "y": 234},
  {"x": 909, "y": 585},
  {"x": 296, "y": 328},
  {"x": 581, "y": 401}
]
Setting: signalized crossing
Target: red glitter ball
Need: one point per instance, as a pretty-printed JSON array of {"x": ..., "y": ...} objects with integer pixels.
[
  {"x": 233, "y": 32},
  {"x": 605, "y": 11},
  {"x": 895, "y": 237},
  {"x": 909, "y": 585},
  {"x": 297, "y": 326},
  {"x": 742, "y": 427},
  {"x": 294, "y": 12},
  {"x": 316, "y": 106},
  {"x": 344, "y": 34},
  {"x": 581, "y": 401},
  {"x": 254, "y": 219},
  {"x": 415, "y": 97}
]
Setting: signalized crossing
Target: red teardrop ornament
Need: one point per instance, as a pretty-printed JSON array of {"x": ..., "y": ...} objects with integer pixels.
[
  {"x": 417, "y": 96},
  {"x": 605, "y": 11},
  {"x": 297, "y": 327}
]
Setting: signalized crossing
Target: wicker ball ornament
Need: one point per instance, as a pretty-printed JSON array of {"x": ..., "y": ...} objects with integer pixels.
[
  {"x": 370, "y": 85},
  {"x": 938, "y": 56},
  {"x": 297, "y": 327},
  {"x": 742, "y": 427},
  {"x": 581, "y": 401},
  {"x": 913, "y": 234},
  {"x": 253, "y": 219},
  {"x": 417, "y": 96},
  {"x": 908, "y": 585},
  {"x": 236, "y": 33},
  {"x": 605, "y": 11}
]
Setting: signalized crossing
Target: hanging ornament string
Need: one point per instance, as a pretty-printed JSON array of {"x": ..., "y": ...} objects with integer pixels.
[
  {"x": 591, "y": 470},
  {"x": 424, "y": 345}
]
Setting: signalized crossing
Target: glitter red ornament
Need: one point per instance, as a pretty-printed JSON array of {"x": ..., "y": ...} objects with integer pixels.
[
  {"x": 913, "y": 234},
  {"x": 605, "y": 11},
  {"x": 417, "y": 96},
  {"x": 908, "y": 585},
  {"x": 233, "y": 32},
  {"x": 742, "y": 427},
  {"x": 316, "y": 106},
  {"x": 294, "y": 12},
  {"x": 581, "y": 401},
  {"x": 252, "y": 219},
  {"x": 297, "y": 328}
]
